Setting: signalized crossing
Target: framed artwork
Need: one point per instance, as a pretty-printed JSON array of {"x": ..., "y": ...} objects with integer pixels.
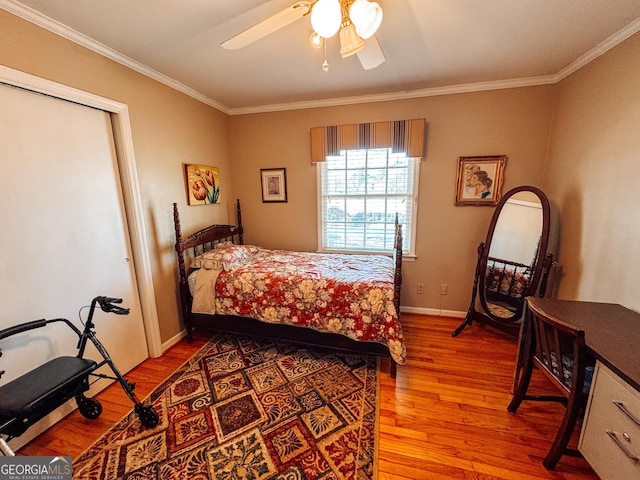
[
  {"x": 203, "y": 184},
  {"x": 274, "y": 184},
  {"x": 480, "y": 180}
]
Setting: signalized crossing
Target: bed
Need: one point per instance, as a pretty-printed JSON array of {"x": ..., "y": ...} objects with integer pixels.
[{"x": 339, "y": 301}]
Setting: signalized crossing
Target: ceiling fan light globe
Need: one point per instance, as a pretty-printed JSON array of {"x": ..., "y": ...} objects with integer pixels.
[
  {"x": 366, "y": 16},
  {"x": 326, "y": 16},
  {"x": 315, "y": 40}
]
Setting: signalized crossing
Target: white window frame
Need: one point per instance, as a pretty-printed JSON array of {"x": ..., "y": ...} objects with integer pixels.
[{"x": 409, "y": 238}]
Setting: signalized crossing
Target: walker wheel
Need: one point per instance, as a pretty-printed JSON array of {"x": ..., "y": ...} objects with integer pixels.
[
  {"x": 90, "y": 408},
  {"x": 147, "y": 415}
]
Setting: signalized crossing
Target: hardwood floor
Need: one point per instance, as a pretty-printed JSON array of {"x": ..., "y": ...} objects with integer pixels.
[{"x": 444, "y": 417}]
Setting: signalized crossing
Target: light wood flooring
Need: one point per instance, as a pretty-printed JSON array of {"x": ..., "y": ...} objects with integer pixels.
[{"x": 444, "y": 417}]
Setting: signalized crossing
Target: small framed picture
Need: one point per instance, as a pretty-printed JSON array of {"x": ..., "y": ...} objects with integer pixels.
[
  {"x": 480, "y": 180},
  {"x": 274, "y": 184}
]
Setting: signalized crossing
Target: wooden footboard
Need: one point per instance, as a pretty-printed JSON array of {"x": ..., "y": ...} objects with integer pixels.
[{"x": 206, "y": 239}]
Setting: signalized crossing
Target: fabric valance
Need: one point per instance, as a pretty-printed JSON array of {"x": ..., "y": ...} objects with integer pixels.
[{"x": 401, "y": 136}]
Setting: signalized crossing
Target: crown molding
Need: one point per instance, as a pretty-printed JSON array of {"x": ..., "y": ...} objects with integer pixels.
[
  {"x": 64, "y": 31},
  {"x": 599, "y": 49},
  {"x": 401, "y": 95}
]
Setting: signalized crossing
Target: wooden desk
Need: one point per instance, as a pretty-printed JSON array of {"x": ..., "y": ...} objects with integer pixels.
[
  {"x": 609, "y": 439},
  {"x": 612, "y": 332}
]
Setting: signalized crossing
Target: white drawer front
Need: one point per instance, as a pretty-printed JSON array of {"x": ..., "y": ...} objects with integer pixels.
[{"x": 610, "y": 438}]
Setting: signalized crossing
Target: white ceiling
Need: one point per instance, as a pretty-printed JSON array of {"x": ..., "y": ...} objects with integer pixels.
[{"x": 431, "y": 46}]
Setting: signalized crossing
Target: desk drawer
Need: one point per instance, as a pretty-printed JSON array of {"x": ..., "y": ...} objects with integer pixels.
[{"x": 610, "y": 438}]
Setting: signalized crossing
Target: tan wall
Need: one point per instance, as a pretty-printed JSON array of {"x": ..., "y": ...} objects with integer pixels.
[
  {"x": 168, "y": 129},
  {"x": 594, "y": 167},
  {"x": 513, "y": 122}
]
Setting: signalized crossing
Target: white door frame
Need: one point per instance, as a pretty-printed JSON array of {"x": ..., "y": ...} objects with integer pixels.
[{"x": 128, "y": 178}]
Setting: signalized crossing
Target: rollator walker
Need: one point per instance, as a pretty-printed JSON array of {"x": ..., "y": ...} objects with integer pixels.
[{"x": 34, "y": 395}]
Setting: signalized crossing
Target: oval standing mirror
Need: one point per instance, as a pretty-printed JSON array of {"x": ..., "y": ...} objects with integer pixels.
[{"x": 513, "y": 261}]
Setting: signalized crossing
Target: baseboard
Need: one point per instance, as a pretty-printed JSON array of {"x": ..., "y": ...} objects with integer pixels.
[
  {"x": 173, "y": 340},
  {"x": 433, "y": 311}
]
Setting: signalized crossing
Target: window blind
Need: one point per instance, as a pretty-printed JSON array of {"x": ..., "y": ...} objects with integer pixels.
[{"x": 362, "y": 191}]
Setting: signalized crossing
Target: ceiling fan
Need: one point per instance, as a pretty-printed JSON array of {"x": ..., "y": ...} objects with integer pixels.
[{"x": 355, "y": 20}]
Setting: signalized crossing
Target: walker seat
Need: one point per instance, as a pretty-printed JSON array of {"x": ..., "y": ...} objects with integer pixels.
[{"x": 35, "y": 394}]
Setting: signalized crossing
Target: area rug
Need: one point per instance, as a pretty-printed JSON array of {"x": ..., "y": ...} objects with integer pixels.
[{"x": 250, "y": 408}]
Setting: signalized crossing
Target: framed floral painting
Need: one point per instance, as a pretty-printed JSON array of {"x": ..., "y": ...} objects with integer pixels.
[
  {"x": 480, "y": 180},
  {"x": 203, "y": 184}
]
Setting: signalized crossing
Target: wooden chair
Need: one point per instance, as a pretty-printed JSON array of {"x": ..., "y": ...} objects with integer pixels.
[{"x": 558, "y": 350}]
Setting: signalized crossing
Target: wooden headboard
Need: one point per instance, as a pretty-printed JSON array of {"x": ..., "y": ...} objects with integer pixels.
[{"x": 199, "y": 242}]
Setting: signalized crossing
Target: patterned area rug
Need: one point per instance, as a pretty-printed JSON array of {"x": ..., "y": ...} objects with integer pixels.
[{"x": 248, "y": 408}]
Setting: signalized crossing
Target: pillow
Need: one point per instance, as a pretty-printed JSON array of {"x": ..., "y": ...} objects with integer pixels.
[
  {"x": 242, "y": 250},
  {"x": 224, "y": 256}
]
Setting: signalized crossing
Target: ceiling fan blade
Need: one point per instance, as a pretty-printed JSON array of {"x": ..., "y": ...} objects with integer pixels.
[
  {"x": 372, "y": 55},
  {"x": 267, "y": 26}
]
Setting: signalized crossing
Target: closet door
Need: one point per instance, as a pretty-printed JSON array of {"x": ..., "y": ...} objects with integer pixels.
[{"x": 65, "y": 237}]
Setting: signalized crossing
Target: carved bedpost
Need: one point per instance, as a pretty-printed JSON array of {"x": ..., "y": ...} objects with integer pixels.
[
  {"x": 397, "y": 282},
  {"x": 239, "y": 217},
  {"x": 397, "y": 276},
  {"x": 176, "y": 223},
  {"x": 184, "y": 287}
]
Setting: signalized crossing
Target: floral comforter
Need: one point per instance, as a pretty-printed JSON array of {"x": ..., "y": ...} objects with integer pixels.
[{"x": 347, "y": 294}]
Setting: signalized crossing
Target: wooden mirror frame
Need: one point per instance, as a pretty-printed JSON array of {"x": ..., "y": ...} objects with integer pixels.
[{"x": 539, "y": 269}]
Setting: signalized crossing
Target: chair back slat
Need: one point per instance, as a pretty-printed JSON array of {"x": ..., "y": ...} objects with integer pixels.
[{"x": 559, "y": 351}]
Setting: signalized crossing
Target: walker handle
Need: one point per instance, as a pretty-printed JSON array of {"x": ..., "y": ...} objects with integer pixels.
[
  {"x": 23, "y": 327},
  {"x": 107, "y": 305}
]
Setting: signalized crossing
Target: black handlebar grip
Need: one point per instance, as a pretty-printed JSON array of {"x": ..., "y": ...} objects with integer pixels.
[
  {"x": 110, "y": 300},
  {"x": 23, "y": 327},
  {"x": 107, "y": 305}
]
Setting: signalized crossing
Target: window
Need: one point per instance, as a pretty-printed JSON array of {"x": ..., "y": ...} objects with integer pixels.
[{"x": 361, "y": 191}]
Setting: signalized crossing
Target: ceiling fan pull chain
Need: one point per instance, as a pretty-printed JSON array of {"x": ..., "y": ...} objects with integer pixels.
[{"x": 325, "y": 64}]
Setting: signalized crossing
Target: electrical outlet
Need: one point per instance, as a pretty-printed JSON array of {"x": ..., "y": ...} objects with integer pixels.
[
  {"x": 443, "y": 288},
  {"x": 420, "y": 288}
]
